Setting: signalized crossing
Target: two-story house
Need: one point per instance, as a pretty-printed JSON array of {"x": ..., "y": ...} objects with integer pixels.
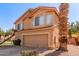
[{"x": 39, "y": 28}]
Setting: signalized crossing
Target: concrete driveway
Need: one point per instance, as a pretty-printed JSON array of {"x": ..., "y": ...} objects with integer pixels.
[
  {"x": 15, "y": 51},
  {"x": 10, "y": 51}
]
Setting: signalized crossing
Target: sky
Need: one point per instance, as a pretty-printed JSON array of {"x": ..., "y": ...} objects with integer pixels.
[{"x": 10, "y": 12}]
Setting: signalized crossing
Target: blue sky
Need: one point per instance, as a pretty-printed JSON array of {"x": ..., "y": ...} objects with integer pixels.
[{"x": 10, "y": 12}]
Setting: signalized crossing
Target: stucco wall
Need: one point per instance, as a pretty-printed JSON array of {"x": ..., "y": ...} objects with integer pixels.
[
  {"x": 27, "y": 22},
  {"x": 52, "y": 32}
]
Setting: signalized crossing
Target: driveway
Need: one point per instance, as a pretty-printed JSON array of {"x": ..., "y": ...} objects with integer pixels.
[
  {"x": 15, "y": 51},
  {"x": 10, "y": 51}
]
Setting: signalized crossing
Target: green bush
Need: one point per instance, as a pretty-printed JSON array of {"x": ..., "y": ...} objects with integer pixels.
[{"x": 29, "y": 53}]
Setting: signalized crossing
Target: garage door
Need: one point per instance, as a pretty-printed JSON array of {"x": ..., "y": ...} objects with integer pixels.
[{"x": 40, "y": 41}]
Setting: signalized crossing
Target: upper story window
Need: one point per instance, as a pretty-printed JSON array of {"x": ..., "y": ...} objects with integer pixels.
[
  {"x": 32, "y": 23},
  {"x": 37, "y": 21},
  {"x": 49, "y": 19},
  {"x": 20, "y": 26},
  {"x": 42, "y": 18}
]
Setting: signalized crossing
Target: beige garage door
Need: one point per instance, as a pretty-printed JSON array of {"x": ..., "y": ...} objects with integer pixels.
[{"x": 40, "y": 41}]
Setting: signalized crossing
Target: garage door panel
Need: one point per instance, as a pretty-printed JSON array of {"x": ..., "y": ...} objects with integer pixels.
[{"x": 36, "y": 40}]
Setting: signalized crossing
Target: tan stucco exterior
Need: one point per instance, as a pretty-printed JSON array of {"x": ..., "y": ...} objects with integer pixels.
[{"x": 39, "y": 36}]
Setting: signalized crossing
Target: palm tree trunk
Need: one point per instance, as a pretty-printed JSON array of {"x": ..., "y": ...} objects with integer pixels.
[{"x": 63, "y": 26}]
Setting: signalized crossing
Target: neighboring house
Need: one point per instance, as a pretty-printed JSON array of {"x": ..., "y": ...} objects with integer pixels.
[
  {"x": 39, "y": 28},
  {"x": 2, "y": 38},
  {"x": 12, "y": 38}
]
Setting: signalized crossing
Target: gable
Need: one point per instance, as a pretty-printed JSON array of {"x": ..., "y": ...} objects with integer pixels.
[{"x": 31, "y": 12}]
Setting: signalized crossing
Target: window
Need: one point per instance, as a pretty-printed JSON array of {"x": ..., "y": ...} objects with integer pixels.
[
  {"x": 32, "y": 23},
  {"x": 15, "y": 27},
  {"x": 20, "y": 26},
  {"x": 49, "y": 19},
  {"x": 41, "y": 20},
  {"x": 36, "y": 21}
]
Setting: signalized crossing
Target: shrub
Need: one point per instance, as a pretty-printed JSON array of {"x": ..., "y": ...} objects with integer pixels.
[{"x": 29, "y": 53}]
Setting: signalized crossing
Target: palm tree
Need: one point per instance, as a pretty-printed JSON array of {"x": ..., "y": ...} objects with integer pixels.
[{"x": 63, "y": 9}]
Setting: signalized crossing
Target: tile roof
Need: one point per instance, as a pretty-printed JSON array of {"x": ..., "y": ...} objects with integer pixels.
[{"x": 31, "y": 11}]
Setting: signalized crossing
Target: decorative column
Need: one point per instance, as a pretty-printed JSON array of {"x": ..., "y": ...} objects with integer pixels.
[{"x": 63, "y": 19}]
